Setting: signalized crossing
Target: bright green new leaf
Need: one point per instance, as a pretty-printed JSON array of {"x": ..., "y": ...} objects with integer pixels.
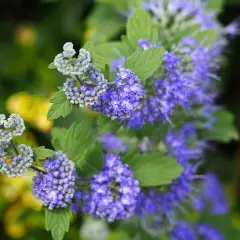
[
  {"x": 61, "y": 107},
  {"x": 42, "y": 152},
  {"x": 58, "y": 221},
  {"x": 99, "y": 60},
  {"x": 145, "y": 62},
  {"x": 89, "y": 47},
  {"x": 58, "y": 135},
  {"x": 223, "y": 129},
  {"x": 154, "y": 169},
  {"x": 78, "y": 140},
  {"x": 139, "y": 26},
  {"x": 215, "y": 5},
  {"x": 51, "y": 66}
]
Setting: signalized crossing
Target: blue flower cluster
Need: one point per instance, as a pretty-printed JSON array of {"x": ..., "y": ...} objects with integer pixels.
[
  {"x": 208, "y": 232},
  {"x": 113, "y": 192},
  {"x": 185, "y": 147},
  {"x": 186, "y": 82},
  {"x": 123, "y": 97},
  {"x": 186, "y": 231},
  {"x": 55, "y": 188},
  {"x": 211, "y": 197},
  {"x": 112, "y": 143},
  {"x": 183, "y": 231}
]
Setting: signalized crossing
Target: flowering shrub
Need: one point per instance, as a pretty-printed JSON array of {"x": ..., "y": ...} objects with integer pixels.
[{"x": 154, "y": 92}]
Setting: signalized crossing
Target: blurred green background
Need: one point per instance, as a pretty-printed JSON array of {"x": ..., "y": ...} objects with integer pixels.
[{"x": 32, "y": 33}]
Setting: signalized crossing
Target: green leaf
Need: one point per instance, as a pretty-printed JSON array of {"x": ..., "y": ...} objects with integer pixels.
[
  {"x": 61, "y": 107},
  {"x": 58, "y": 135},
  {"x": 154, "y": 169},
  {"x": 215, "y": 5},
  {"x": 139, "y": 26},
  {"x": 91, "y": 162},
  {"x": 107, "y": 125},
  {"x": 51, "y": 66},
  {"x": 89, "y": 47},
  {"x": 42, "y": 152},
  {"x": 99, "y": 60},
  {"x": 109, "y": 51},
  {"x": 206, "y": 37},
  {"x": 224, "y": 129},
  {"x": 78, "y": 140},
  {"x": 107, "y": 72},
  {"x": 122, "y": 4},
  {"x": 145, "y": 62},
  {"x": 58, "y": 221},
  {"x": 103, "y": 23}
]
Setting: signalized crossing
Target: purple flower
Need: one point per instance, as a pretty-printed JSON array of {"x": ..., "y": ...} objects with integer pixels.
[
  {"x": 113, "y": 143},
  {"x": 183, "y": 231},
  {"x": 212, "y": 197},
  {"x": 184, "y": 146},
  {"x": 113, "y": 192},
  {"x": 56, "y": 187},
  {"x": 233, "y": 29},
  {"x": 122, "y": 97},
  {"x": 89, "y": 92},
  {"x": 208, "y": 232}
]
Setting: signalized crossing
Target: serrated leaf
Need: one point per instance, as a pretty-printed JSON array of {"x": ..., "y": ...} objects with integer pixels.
[
  {"x": 223, "y": 129},
  {"x": 107, "y": 125},
  {"x": 61, "y": 107},
  {"x": 79, "y": 140},
  {"x": 58, "y": 134},
  {"x": 91, "y": 162},
  {"x": 154, "y": 169},
  {"x": 42, "y": 152},
  {"x": 139, "y": 26},
  {"x": 145, "y": 62},
  {"x": 52, "y": 66},
  {"x": 58, "y": 221}
]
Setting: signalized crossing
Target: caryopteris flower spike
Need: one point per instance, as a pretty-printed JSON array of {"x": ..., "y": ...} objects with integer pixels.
[
  {"x": 137, "y": 158},
  {"x": 55, "y": 188}
]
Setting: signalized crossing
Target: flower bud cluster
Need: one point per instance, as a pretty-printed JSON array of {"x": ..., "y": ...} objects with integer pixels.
[
  {"x": 13, "y": 126},
  {"x": 17, "y": 165},
  {"x": 66, "y": 63},
  {"x": 89, "y": 92}
]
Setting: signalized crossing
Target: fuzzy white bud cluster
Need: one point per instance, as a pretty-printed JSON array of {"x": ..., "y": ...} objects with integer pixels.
[
  {"x": 66, "y": 63},
  {"x": 13, "y": 126}
]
